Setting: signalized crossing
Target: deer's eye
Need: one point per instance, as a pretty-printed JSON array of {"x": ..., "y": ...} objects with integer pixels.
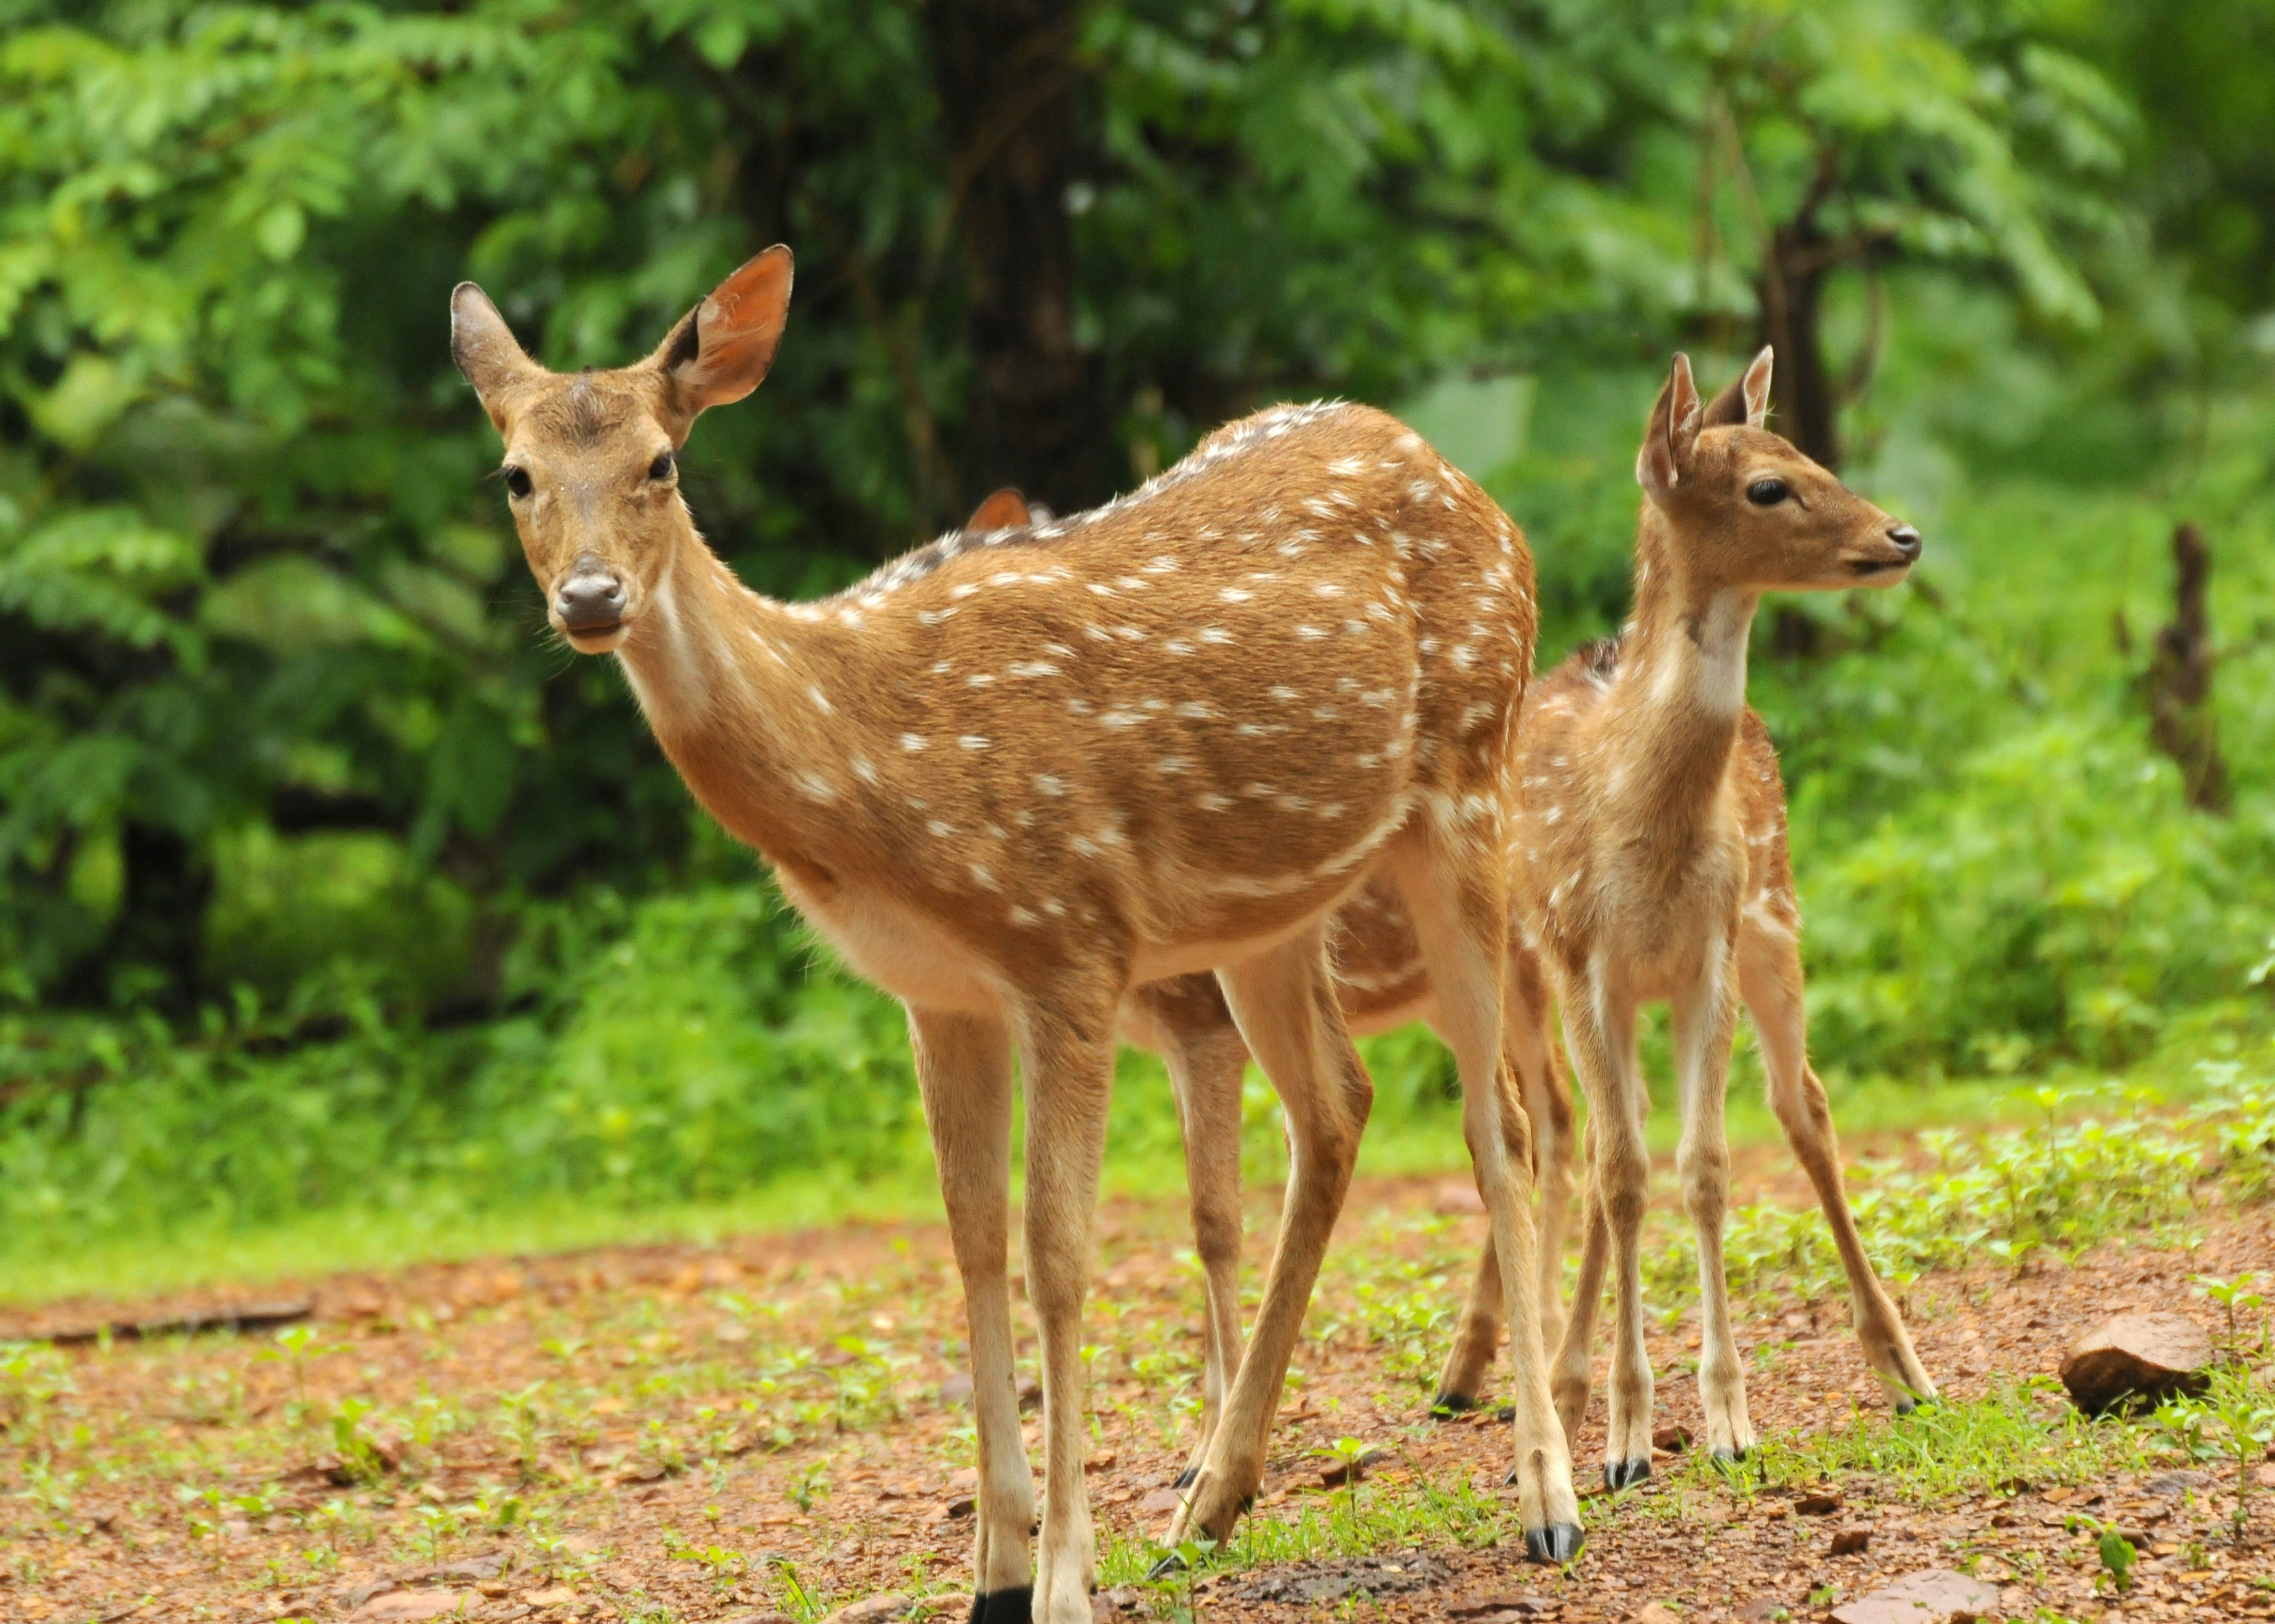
[
  {"x": 1766, "y": 493},
  {"x": 516, "y": 483},
  {"x": 661, "y": 468}
]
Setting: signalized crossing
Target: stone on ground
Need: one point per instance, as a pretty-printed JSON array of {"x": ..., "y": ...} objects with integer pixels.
[
  {"x": 2137, "y": 1357},
  {"x": 1933, "y": 1595}
]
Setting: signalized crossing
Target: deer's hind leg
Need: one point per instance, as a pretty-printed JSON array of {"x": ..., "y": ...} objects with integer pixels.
[
  {"x": 1544, "y": 1095},
  {"x": 1284, "y": 1000},
  {"x": 1186, "y": 1022},
  {"x": 1452, "y": 882},
  {"x": 1769, "y": 979},
  {"x": 964, "y": 1069}
]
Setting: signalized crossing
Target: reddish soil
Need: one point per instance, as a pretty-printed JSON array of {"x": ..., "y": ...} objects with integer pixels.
[{"x": 794, "y": 1400}]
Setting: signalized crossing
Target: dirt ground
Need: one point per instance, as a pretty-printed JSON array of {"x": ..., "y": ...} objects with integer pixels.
[{"x": 687, "y": 1433}]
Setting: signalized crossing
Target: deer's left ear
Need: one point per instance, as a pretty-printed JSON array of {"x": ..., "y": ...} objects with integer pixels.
[
  {"x": 1672, "y": 435},
  {"x": 722, "y": 350},
  {"x": 484, "y": 347},
  {"x": 1747, "y": 400}
]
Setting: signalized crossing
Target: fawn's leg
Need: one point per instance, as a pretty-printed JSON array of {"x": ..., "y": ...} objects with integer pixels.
[
  {"x": 1284, "y": 999},
  {"x": 1066, "y": 1051},
  {"x": 1185, "y": 1020},
  {"x": 1769, "y": 979},
  {"x": 1570, "y": 1379},
  {"x": 1599, "y": 1026},
  {"x": 963, "y": 1069},
  {"x": 1546, "y": 1096},
  {"x": 1702, "y": 1020},
  {"x": 1455, "y": 893}
]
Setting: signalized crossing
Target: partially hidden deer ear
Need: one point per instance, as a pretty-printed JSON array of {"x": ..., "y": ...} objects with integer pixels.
[
  {"x": 484, "y": 348},
  {"x": 1747, "y": 400},
  {"x": 1672, "y": 435},
  {"x": 722, "y": 350},
  {"x": 1006, "y": 509}
]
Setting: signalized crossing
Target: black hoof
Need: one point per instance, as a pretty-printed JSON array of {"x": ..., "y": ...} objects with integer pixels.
[
  {"x": 1169, "y": 1567},
  {"x": 1906, "y": 1405},
  {"x": 1728, "y": 1460},
  {"x": 1185, "y": 1477},
  {"x": 1507, "y": 1412},
  {"x": 1627, "y": 1473},
  {"x": 1013, "y": 1606},
  {"x": 1557, "y": 1544},
  {"x": 1448, "y": 1404}
]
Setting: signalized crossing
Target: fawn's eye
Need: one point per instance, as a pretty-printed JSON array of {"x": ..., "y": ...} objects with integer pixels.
[
  {"x": 1766, "y": 493},
  {"x": 661, "y": 468},
  {"x": 516, "y": 483}
]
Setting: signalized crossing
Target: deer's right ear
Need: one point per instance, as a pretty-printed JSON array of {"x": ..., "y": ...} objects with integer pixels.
[
  {"x": 483, "y": 345},
  {"x": 1672, "y": 435},
  {"x": 1006, "y": 509},
  {"x": 723, "y": 348}
]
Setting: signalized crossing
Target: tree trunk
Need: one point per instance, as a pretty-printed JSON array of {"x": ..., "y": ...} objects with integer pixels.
[
  {"x": 1791, "y": 294},
  {"x": 1011, "y": 100},
  {"x": 2177, "y": 682},
  {"x": 155, "y": 952}
]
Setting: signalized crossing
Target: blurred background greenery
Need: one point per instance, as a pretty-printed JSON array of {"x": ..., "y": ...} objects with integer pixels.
[{"x": 345, "y": 914}]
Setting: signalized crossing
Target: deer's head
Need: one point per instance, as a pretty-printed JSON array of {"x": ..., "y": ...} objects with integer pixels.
[
  {"x": 591, "y": 458},
  {"x": 1745, "y": 508}
]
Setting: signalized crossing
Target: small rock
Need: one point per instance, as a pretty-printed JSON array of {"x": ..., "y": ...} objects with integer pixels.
[
  {"x": 1820, "y": 1504},
  {"x": 552, "y": 1595},
  {"x": 402, "y": 1606},
  {"x": 1162, "y": 1501},
  {"x": 1671, "y": 1439},
  {"x": 870, "y": 1610},
  {"x": 2137, "y": 1357},
  {"x": 957, "y": 1509},
  {"x": 956, "y": 1389},
  {"x": 1851, "y": 1541},
  {"x": 1102, "y": 1461},
  {"x": 1654, "y": 1613},
  {"x": 1129, "y": 1598},
  {"x": 1335, "y": 1474},
  {"x": 1499, "y": 1605},
  {"x": 1933, "y": 1595}
]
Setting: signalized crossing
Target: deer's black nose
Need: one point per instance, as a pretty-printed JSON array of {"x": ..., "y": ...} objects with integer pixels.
[
  {"x": 590, "y": 601},
  {"x": 1907, "y": 540}
]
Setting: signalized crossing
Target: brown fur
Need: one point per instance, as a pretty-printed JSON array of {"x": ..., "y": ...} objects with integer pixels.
[{"x": 1016, "y": 777}]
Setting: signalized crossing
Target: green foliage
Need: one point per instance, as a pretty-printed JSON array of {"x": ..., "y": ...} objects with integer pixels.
[
  {"x": 2010, "y": 1194},
  {"x": 329, "y": 885}
]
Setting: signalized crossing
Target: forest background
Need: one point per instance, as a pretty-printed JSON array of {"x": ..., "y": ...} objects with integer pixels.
[{"x": 347, "y": 915}]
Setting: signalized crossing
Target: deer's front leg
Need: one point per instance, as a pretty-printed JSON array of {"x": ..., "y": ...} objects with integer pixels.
[
  {"x": 1703, "y": 1019},
  {"x": 1066, "y": 1046},
  {"x": 1599, "y": 1028},
  {"x": 963, "y": 1069}
]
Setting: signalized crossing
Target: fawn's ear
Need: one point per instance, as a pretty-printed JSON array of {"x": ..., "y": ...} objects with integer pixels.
[
  {"x": 1672, "y": 435},
  {"x": 483, "y": 345},
  {"x": 1747, "y": 400},
  {"x": 722, "y": 349},
  {"x": 1006, "y": 509}
]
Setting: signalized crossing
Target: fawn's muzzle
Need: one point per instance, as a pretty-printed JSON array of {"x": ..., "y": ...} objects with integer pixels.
[
  {"x": 1907, "y": 541},
  {"x": 589, "y": 602}
]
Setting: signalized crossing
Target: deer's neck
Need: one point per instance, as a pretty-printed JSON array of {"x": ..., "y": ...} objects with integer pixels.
[
  {"x": 733, "y": 685},
  {"x": 1680, "y": 691}
]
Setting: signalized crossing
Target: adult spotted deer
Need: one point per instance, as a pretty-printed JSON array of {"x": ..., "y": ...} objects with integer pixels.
[
  {"x": 1014, "y": 777},
  {"x": 1380, "y": 982},
  {"x": 1649, "y": 862}
]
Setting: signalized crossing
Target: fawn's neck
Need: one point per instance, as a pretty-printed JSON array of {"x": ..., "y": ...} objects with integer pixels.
[
  {"x": 732, "y": 683},
  {"x": 1680, "y": 691}
]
